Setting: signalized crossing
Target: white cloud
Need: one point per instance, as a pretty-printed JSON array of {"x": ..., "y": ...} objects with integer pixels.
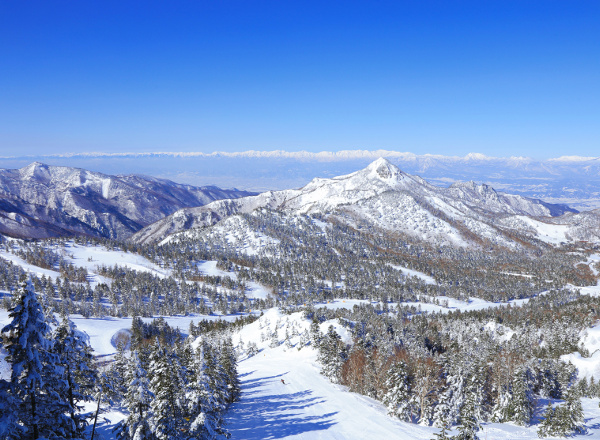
[{"x": 324, "y": 156}]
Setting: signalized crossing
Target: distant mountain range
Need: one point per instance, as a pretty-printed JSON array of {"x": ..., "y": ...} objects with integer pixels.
[
  {"x": 41, "y": 201},
  {"x": 570, "y": 180},
  {"x": 381, "y": 196}
]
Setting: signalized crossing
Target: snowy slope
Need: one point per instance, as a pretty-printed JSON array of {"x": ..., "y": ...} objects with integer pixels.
[
  {"x": 308, "y": 406},
  {"x": 90, "y": 257},
  {"x": 236, "y": 233},
  {"x": 93, "y": 257}
]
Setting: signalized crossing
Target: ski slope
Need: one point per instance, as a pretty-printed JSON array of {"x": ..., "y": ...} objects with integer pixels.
[{"x": 308, "y": 406}]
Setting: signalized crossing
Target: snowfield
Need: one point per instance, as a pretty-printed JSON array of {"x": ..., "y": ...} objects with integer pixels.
[
  {"x": 308, "y": 406},
  {"x": 92, "y": 257},
  {"x": 253, "y": 289},
  {"x": 35, "y": 270}
]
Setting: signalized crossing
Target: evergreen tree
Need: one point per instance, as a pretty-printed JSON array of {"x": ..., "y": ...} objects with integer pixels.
[
  {"x": 274, "y": 339},
  {"x": 516, "y": 402},
  {"x": 452, "y": 397},
  {"x": 443, "y": 434},
  {"x": 75, "y": 357},
  {"x": 521, "y": 406},
  {"x": 137, "y": 400},
  {"x": 397, "y": 396},
  {"x": 36, "y": 383},
  {"x": 165, "y": 386},
  {"x": 332, "y": 355},
  {"x": 217, "y": 379},
  {"x": 469, "y": 421},
  {"x": 548, "y": 425},
  {"x": 563, "y": 420},
  {"x": 574, "y": 418},
  {"x": 315, "y": 333},
  {"x": 203, "y": 409},
  {"x": 228, "y": 361},
  {"x": 252, "y": 349},
  {"x": 304, "y": 340},
  {"x": 9, "y": 427}
]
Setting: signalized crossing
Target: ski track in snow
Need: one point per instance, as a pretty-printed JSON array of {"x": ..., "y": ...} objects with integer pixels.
[{"x": 308, "y": 406}]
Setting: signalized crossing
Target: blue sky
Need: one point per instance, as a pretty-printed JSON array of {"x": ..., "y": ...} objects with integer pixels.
[{"x": 443, "y": 77}]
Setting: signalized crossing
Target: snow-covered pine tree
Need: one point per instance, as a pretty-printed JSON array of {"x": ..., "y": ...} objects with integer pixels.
[
  {"x": 522, "y": 404},
  {"x": 564, "y": 420},
  {"x": 252, "y": 349},
  {"x": 217, "y": 377},
  {"x": 117, "y": 373},
  {"x": 185, "y": 353},
  {"x": 469, "y": 424},
  {"x": 274, "y": 342},
  {"x": 397, "y": 396},
  {"x": 202, "y": 407},
  {"x": 228, "y": 360},
  {"x": 591, "y": 392},
  {"x": 304, "y": 340},
  {"x": 166, "y": 408},
  {"x": 548, "y": 425},
  {"x": 137, "y": 400},
  {"x": 424, "y": 386},
  {"x": 443, "y": 434},
  {"x": 332, "y": 355},
  {"x": 315, "y": 334},
  {"x": 288, "y": 340},
  {"x": 574, "y": 417},
  {"x": 9, "y": 427},
  {"x": 75, "y": 357},
  {"x": 36, "y": 379},
  {"x": 452, "y": 396}
]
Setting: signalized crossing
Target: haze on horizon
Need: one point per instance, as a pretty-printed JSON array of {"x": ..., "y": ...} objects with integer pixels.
[{"x": 501, "y": 78}]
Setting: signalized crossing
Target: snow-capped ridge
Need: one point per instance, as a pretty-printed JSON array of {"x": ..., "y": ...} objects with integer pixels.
[
  {"x": 40, "y": 201},
  {"x": 379, "y": 195}
]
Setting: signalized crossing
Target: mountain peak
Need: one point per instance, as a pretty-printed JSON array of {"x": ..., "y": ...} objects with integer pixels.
[
  {"x": 36, "y": 170},
  {"x": 384, "y": 169},
  {"x": 33, "y": 166}
]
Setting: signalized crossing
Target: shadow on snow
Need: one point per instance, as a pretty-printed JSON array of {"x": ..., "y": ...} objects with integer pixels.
[{"x": 260, "y": 417}]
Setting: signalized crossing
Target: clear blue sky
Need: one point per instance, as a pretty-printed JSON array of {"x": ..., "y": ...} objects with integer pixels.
[{"x": 446, "y": 77}]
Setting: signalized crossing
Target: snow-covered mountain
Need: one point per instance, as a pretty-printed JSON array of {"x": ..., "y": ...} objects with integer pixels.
[
  {"x": 572, "y": 180},
  {"x": 39, "y": 201},
  {"x": 381, "y": 196}
]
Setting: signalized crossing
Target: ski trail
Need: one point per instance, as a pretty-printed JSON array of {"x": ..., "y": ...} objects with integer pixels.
[{"x": 308, "y": 406}]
